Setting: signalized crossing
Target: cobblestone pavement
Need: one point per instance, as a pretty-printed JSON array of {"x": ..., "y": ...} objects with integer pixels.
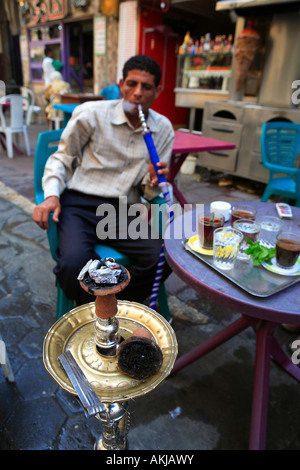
[{"x": 212, "y": 395}]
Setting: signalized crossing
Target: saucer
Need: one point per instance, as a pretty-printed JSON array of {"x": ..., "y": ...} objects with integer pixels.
[
  {"x": 194, "y": 244},
  {"x": 274, "y": 268}
]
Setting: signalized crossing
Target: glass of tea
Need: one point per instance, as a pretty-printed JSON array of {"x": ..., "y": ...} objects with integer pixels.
[
  {"x": 207, "y": 224},
  {"x": 250, "y": 229},
  {"x": 242, "y": 212},
  {"x": 287, "y": 249}
]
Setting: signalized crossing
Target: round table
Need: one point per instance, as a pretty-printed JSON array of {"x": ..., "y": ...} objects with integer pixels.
[{"x": 263, "y": 314}]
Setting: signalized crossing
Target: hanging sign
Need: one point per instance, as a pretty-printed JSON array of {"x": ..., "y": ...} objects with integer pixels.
[
  {"x": 48, "y": 10},
  {"x": 99, "y": 35},
  {"x": 109, "y": 7}
]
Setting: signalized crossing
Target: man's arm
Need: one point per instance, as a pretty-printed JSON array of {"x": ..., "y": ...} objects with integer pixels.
[
  {"x": 59, "y": 168},
  {"x": 164, "y": 144}
]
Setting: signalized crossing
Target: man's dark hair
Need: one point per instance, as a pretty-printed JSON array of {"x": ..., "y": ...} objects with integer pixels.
[
  {"x": 145, "y": 63},
  {"x": 47, "y": 50}
]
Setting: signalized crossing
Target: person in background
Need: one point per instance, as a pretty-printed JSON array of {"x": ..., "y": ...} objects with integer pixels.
[
  {"x": 52, "y": 93},
  {"x": 102, "y": 160},
  {"x": 48, "y": 67}
]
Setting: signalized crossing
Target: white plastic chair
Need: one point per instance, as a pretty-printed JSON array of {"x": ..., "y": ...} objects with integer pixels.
[
  {"x": 57, "y": 115},
  {"x": 16, "y": 123},
  {"x": 30, "y": 106}
]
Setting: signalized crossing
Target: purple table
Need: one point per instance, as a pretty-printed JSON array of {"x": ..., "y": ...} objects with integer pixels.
[
  {"x": 185, "y": 143},
  {"x": 263, "y": 314}
]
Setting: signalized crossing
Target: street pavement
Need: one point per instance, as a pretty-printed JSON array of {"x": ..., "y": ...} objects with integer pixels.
[{"x": 205, "y": 406}]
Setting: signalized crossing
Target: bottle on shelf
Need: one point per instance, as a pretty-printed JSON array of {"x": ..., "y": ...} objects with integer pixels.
[
  {"x": 229, "y": 43},
  {"x": 201, "y": 45},
  {"x": 217, "y": 44},
  {"x": 207, "y": 43}
]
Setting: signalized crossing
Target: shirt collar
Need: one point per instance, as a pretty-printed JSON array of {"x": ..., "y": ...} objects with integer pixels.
[{"x": 119, "y": 117}]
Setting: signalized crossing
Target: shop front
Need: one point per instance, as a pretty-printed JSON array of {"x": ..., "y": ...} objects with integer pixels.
[
  {"x": 77, "y": 33},
  {"x": 71, "y": 43},
  {"x": 261, "y": 85}
]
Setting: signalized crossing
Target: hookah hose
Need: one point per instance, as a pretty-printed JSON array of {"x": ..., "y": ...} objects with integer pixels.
[{"x": 163, "y": 185}]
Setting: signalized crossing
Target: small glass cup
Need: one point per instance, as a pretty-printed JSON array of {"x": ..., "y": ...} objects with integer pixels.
[
  {"x": 242, "y": 212},
  {"x": 269, "y": 228},
  {"x": 250, "y": 229},
  {"x": 287, "y": 249},
  {"x": 227, "y": 242},
  {"x": 206, "y": 227}
]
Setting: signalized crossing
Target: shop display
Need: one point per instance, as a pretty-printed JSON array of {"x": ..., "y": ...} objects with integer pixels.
[{"x": 205, "y": 63}]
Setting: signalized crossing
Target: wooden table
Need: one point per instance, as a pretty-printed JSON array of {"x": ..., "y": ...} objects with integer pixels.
[
  {"x": 185, "y": 143},
  {"x": 263, "y": 314},
  {"x": 79, "y": 98}
]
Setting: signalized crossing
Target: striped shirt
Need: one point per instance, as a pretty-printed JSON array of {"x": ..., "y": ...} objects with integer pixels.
[{"x": 101, "y": 154}]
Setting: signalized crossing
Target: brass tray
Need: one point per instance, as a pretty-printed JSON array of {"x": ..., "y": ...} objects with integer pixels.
[{"x": 75, "y": 332}]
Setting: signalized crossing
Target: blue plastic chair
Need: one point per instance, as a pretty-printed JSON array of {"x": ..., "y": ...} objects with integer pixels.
[
  {"x": 47, "y": 144},
  {"x": 280, "y": 146},
  {"x": 111, "y": 92}
]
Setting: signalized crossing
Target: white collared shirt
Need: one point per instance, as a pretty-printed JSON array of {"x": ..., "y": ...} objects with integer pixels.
[{"x": 100, "y": 153}]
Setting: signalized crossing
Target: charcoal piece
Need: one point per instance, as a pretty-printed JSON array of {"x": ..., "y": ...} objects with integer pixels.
[
  {"x": 107, "y": 263},
  {"x": 139, "y": 357}
]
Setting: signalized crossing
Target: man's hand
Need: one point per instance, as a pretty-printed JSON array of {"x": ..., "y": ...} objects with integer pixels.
[
  {"x": 162, "y": 171},
  {"x": 41, "y": 212}
]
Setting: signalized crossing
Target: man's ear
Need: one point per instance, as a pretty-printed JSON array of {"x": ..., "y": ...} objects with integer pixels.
[
  {"x": 158, "y": 91},
  {"x": 121, "y": 82}
]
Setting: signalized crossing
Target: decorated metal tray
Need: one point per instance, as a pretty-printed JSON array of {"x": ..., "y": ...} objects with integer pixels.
[
  {"x": 256, "y": 280},
  {"x": 75, "y": 332}
]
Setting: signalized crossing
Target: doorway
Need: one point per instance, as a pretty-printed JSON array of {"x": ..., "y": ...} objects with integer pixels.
[{"x": 79, "y": 56}]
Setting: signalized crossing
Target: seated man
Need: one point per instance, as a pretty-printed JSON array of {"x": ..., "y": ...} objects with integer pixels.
[{"x": 102, "y": 159}]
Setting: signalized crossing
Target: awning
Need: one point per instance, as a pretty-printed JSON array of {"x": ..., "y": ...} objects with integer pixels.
[{"x": 236, "y": 4}]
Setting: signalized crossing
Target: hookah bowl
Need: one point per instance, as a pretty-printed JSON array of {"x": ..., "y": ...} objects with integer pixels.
[{"x": 93, "y": 333}]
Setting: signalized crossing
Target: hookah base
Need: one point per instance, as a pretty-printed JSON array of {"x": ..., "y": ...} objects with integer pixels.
[{"x": 115, "y": 422}]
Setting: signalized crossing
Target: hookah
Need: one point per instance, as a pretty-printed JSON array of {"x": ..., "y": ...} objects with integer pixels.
[
  {"x": 109, "y": 340},
  {"x": 163, "y": 185}
]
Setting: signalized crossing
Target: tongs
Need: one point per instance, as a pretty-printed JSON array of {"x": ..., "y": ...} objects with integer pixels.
[{"x": 86, "y": 394}]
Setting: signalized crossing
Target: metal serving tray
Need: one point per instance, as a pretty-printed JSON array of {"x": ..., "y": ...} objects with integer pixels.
[{"x": 255, "y": 280}]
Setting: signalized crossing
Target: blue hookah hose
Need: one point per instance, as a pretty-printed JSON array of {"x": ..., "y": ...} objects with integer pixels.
[{"x": 163, "y": 185}]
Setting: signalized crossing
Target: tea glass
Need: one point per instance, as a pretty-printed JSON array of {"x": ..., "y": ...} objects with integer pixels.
[
  {"x": 269, "y": 228},
  {"x": 206, "y": 227},
  {"x": 227, "y": 242},
  {"x": 250, "y": 229},
  {"x": 242, "y": 212},
  {"x": 287, "y": 249}
]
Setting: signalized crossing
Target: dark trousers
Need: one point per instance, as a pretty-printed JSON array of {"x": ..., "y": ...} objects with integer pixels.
[{"x": 77, "y": 237}]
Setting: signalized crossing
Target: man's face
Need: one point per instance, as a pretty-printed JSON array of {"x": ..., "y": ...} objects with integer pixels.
[{"x": 139, "y": 88}]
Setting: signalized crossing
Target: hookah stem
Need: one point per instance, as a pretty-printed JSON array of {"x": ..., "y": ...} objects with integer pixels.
[{"x": 162, "y": 183}]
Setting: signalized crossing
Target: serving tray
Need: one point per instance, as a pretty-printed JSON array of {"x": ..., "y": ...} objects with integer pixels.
[{"x": 255, "y": 280}]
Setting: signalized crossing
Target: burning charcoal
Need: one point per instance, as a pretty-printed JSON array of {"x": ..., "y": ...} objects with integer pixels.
[
  {"x": 84, "y": 270},
  {"x": 99, "y": 273}
]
